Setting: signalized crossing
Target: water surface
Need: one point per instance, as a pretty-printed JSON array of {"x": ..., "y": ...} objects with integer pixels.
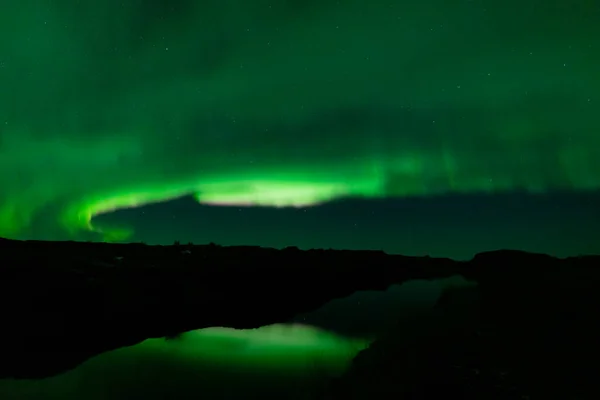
[{"x": 282, "y": 361}]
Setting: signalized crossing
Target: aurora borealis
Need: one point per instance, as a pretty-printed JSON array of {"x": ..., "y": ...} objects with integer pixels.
[{"x": 112, "y": 105}]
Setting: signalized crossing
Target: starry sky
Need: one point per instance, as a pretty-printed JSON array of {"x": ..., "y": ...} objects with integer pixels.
[{"x": 429, "y": 127}]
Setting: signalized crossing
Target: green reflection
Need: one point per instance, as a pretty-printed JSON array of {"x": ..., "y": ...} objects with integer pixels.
[{"x": 277, "y": 361}]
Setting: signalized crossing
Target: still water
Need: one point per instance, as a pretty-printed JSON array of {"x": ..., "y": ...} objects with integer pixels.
[{"x": 283, "y": 361}]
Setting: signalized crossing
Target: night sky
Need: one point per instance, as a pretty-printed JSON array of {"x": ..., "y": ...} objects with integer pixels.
[{"x": 416, "y": 127}]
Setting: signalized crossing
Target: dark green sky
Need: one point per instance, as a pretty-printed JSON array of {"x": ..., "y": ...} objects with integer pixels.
[{"x": 109, "y": 104}]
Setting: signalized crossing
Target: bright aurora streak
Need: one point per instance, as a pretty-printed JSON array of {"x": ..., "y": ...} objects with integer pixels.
[{"x": 111, "y": 105}]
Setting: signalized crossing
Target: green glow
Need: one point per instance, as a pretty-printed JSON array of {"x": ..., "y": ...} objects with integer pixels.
[
  {"x": 280, "y": 359},
  {"x": 265, "y": 193},
  {"x": 243, "y": 104},
  {"x": 295, "y": 348}
]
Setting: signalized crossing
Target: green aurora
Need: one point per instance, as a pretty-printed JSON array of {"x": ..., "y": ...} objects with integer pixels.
[{"x": 111, "y": 105}]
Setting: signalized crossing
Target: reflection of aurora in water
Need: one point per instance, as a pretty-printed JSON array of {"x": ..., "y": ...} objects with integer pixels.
[
  {"x": 278, "y": 361},
  {"x": 280, "y": 347}
]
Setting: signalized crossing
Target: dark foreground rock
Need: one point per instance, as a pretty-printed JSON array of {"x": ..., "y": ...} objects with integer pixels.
[
  {"x": 65, "y": 302},
  {"x": 512, "y": 337}
]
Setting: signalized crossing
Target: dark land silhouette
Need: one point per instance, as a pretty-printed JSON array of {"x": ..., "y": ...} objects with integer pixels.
[{"x": 527, "y": 328}]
